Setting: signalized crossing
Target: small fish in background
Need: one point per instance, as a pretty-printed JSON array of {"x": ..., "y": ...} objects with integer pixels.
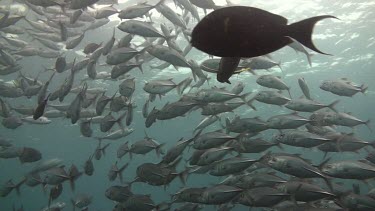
[
  {"x": 54, "y": 193},
  {"x": 305, "y": 89},
  {"x": 39, "y": 110},
  {"x": 115, "y": 172},
  {"x": 342, "y": 87},
  {"x": 81, "y": 201},
  {"x": 9, "y": 186}
]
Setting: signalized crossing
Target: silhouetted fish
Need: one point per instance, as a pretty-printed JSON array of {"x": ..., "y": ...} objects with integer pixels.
[
  {"x": 39, "y": 111},
  {"x": 239, "y": 31}
]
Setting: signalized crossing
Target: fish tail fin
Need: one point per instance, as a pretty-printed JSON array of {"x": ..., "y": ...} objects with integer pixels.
[
  {"x": 195, "y": 137},
  {"x": 220, "y": 122},
  {"x": 140, "y": 67},
  {"x": 18, "y": 185},
  {"x": 367, "y": 123},
  {"x": 183, "y": 176},
  {"x": 289, "y": 92},
  {"x": 364, "y": 89},
  {"x": 302, "y": 31},
  {"x": 308, "y": 56},
  {"x": 159, "y": 3},
  {"x": 46, "y": 69},
  {"x": 104, "y": 148},
  {"x": 49, "y": 201},
  {"x": 229, "y": 3},
  {"x": 372, "y": 144},
  {"x": 119, "y": 122},
  {"x": 250, "y": 104},
  {"x": 244, "y": 96},
  {"x": 329, "y": 183},
  {"x": 227, "y": 125},
  {"x": 325, "y": 161},
  {"x": 126, "y": 148},
  {"x": 73, "y": 175},
  {"x": 278, "y": 64},
  {"x": 194, "y": 75},
  {"x": 179, "y": 88},
  {"x": 279, "y": 145},
  {"x": 208, "y": 79},
  {"x": 73, "y": 204},
  {"x": 129, "y": 184},
  {"x": 333, "y": 104},
  {"x": 72, "y": 184},
  {"x": 159, "y": 150},
  {"x": 121, "y": 170}
]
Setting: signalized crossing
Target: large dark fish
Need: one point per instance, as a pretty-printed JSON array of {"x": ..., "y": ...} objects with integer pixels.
[{"x": 239, "y": 31}]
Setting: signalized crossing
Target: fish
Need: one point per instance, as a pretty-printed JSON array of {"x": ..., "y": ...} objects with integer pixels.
[
  {"x": 168, "y": 54},
  {"x": 299, "y": 138},
  {"x": 175, "y": 109},
  {"x": 81, "y": 201},
  {"x": 261, "y": 197},
  {"x": 206, "y": 122},
  {"x": 287, "y": 121},
  {"x": 342, "y": 87},
  {"x": 39, "y": 110},
  {"x": 143, "y": 146},
  {"x": 137, "y": 10},
  {"x": 348, "y": 169},
  {"x": 73, "y": 43},
  {"x": 40, "y": 121},
  {"x": 306, "y": 105},
  {"x": 85, "y": 128},
  {"x": 226, "y": 156},
  {"x": 140, "y": 28},
  {"x": 118, "y": 193},
  {"x": 231, "y": 166},
  {"x": 127, "y": 87},
  {"x": 121, "y": 55},
  {"x": 115, "y": 171},
  {"x": 271, "y": 97},
  {"x": 172, "y": 16},
  {"x": 273, "y": 82},
  {"x": 105, "y": 12},
  {"x": 29, "y": 155},
  {"x": 108, "y": 122},
  {"x": 236, "y": 41},
  {"x": 161, "y": 87},
  {"x": 220, "y": 194}
]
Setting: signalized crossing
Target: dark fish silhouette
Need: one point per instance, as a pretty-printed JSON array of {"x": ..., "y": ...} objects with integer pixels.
[
  {"x": 39, "y": 111},
  {"x": 239, "y": 31}
]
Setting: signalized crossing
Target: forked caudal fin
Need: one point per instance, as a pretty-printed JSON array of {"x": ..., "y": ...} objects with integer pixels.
[{"x": 302, "y": 31}]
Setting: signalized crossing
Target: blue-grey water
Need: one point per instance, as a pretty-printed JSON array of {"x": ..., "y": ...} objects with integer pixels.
[{"x": 350, "y": 40}]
